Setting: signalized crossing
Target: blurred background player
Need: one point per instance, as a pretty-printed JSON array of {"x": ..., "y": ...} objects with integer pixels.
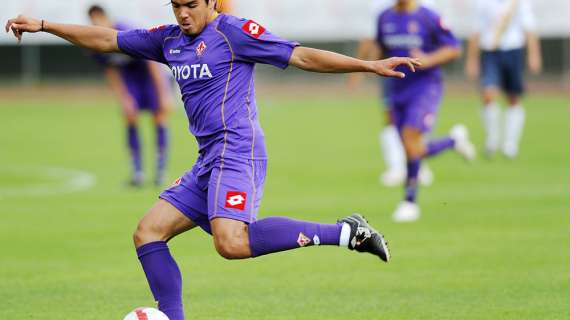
[
  {"x": 410, "y": 29},
  {"x": 390, "y": 143},
  {"x": 495, "y": 51},
  {"x": 140, "y": 86}
]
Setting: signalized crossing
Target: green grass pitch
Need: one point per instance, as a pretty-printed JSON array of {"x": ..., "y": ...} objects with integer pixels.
[{"x": 493, "y": 241}]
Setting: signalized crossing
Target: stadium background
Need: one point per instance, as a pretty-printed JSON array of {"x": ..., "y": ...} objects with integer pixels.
[
  {"x": 333, "y": 24},
  {"x": 492, "y": 242}
]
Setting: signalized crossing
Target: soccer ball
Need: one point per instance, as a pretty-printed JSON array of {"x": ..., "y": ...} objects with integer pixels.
[{"x": 146, "y": 314}]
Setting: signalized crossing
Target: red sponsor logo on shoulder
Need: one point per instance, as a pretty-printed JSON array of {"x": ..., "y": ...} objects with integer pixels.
[
  {"x": 157, "y": 28},
  {"x": 236, "y": 200},
  {"x": 254, "y": 29}
]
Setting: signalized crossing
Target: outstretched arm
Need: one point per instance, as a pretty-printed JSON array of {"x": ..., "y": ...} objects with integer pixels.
[
  {"x": 315, "y": 60},
  {"x": 98, "y": 39}
]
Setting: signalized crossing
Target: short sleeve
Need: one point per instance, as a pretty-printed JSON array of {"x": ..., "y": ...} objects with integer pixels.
[
  {"x": 251, "y": 42},
  {"x": 443, "y": 34},
  {"x": 527, "y": 16},
  {"x": 143, "y": 44}
]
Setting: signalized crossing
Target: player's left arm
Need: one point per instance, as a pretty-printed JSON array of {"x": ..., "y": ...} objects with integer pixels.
[
  {"x": 316, "y": 60},
  {"x": 534, "y": 54},
  {"x": 439, "y": 57},
  {"x": 448, "y": 46},
  {"x": 161, "y": 87}
]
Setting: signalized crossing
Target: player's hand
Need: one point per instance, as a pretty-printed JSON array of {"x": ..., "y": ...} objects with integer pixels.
[
  {"x": 23, "y": 24},
  {"x": 423, "y": 57},
  {"x": 387, "y": 67},
  {"x": 534, "y": 64},
  {"x": 129, "y": 108},
  {"x": 472, "y": 69}
]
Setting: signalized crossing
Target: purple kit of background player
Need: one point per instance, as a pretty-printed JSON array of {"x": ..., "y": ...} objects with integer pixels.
[
  {"x": 212, "y": 58},
  {"x": 140, "y": 86},
  {"x": 408, "y": 29}
]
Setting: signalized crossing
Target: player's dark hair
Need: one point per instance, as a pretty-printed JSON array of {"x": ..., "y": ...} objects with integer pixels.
[{"x": 96, "y": 9}]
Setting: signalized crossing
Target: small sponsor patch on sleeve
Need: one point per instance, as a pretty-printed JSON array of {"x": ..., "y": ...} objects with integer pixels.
[
  {"x": 157, "y": 28},
  {"x": 253, "y": 28}
]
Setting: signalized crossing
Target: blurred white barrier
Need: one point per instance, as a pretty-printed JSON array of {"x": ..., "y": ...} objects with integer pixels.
[{"x": 320, "y": 20}]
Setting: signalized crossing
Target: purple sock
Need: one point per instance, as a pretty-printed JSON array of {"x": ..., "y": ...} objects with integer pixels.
[
  {"x": 161, "y": 148},
  {"x": 277, "y": 234},
  {"x": 437, "y": 146},
  {"x": 412, "y": 180},
  {"x": 163, "y": 277},
  {"x": 134, "y": 148}
]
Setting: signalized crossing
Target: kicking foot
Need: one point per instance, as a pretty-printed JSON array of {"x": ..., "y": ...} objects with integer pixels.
[
  {"x": 364, "y": 238},
  {"x": 406, "y": 212},
  {"x": 463, "y": 145},
  {"x": 393, "y": 177}
]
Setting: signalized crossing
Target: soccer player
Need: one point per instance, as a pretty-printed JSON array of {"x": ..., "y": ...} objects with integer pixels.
[
  {"x": 496, "y": 53},
  {"x": 212, "y": 57},
  {"x": 410, "y": 29},
  {"x": 390, "y": 143},
  {"x": 139, "y": 85}
]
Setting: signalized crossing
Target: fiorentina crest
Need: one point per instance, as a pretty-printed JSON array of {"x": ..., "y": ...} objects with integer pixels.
[
  {"x": 200, "y": 49},
  {"x": 303, "y": 240}
]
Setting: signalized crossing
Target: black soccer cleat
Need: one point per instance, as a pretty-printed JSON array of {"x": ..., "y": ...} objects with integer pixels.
[{"x": 364, "y": 238}]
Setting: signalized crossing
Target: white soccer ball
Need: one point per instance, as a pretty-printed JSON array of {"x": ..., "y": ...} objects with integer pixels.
[{"x": 146, "y": 314}]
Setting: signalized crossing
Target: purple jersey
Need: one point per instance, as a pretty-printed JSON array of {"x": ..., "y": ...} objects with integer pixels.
[
  {"x": 401, "y": 32},
  {"x": 135, "y": 74},
  {"x": 215, "y": 72}
]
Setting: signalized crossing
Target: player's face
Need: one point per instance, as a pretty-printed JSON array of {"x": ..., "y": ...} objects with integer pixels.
[
  {"x": 404, "y": 2},
  {"x": 192, "y": 15},
  {"x": 100, "y": 20}
]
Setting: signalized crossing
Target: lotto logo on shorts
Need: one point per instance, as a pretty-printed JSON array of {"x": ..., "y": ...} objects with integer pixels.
[
  {"x": 254, "y": 29},
  {"x": 236, "y": 200}
]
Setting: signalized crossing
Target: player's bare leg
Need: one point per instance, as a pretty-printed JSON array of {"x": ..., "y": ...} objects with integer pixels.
[
  {"x": 491, "y": 115},
  {"x": 159, "y": 225},
  {"x": 514, "y": 126}
]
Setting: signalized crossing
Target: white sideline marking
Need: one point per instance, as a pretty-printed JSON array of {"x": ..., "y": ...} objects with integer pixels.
[{"x": 59, "y": 181}]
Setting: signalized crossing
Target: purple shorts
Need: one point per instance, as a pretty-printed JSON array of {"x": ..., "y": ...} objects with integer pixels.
[
  {"x": 418, "y": 111},
  {"x": 229, "y": 188}
]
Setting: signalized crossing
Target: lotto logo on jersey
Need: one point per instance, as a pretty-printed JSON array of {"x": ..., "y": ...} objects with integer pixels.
[
  {"x": 236, "y": 200},
  {"x": 254, "y": 29}
]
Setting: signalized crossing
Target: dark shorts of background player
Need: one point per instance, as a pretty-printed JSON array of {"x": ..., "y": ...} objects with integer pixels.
[
  {"x": 418, "y": 111},
  {"x": 504, "y": 70},
  {"x": 229, "y": 188}
]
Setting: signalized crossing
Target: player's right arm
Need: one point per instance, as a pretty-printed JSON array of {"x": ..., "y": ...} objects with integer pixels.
[
  {"x": 368, "y": 49},
  {"x": 472, "y": 62},
  {"x": 94, "y": 38}
]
